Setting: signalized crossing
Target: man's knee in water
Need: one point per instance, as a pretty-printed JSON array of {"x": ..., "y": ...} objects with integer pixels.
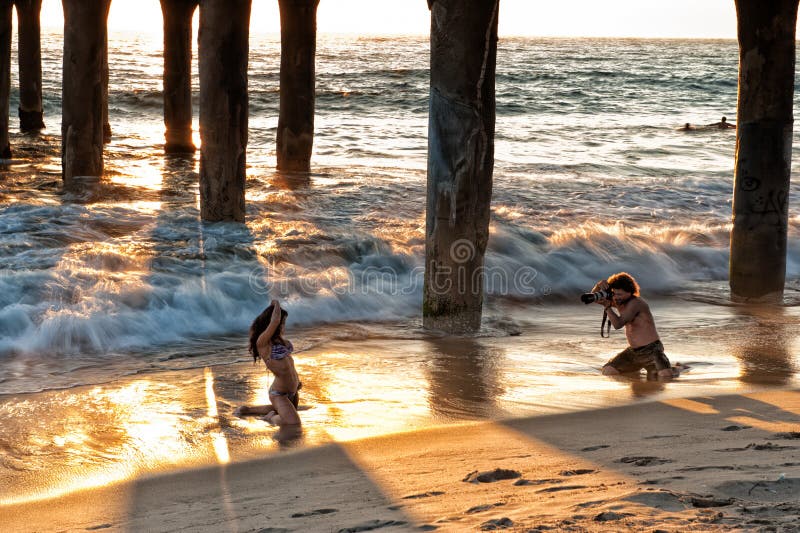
[{"x": 609, "y": 370}]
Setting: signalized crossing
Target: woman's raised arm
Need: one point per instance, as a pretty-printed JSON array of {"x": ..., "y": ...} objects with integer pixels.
[{"x": 265, "y": 339}]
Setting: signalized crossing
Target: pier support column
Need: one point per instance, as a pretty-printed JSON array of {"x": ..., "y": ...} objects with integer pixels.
[
  {"x": 222, "y": 50},
  {"x": 460, "y": 161},
  {"x": 6, "y": 7},
  {"x": 82, "y": 88},
  {"x": 106, "y": 123},
  {"x": 298, "y": 50},
  {"x": 178, "y": 75},
  {"x": 31, "y": 114},
  {"x": 763, "y": 148}
]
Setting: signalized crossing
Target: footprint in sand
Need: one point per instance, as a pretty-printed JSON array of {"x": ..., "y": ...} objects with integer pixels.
[
  {"x": 705, "y": 503},
  {"x": 735, "y": 428},
  {"x": 709, "y": 467},
  {"x": 660, "y": 480},
  {"x": 791, "y": 435},
  {"x": 371, "y": 525},
  {"x": 521, "y": 482},
  {"x": 562, "y": 487},
  {"x": 644, "y": 460},
  {"x": 482, "y": 508},
  {"x": 770, "y": 447},
  {"x": 608, "y": 516},
  {"x": 595, "y": 448},
  {"x": 497, "y": 523},
  {"x": 314, "y": 512},
  {"x": 491, "y": 476},
  {"x": 577, "y": 472},
  {"x": 423, "y": 495}
]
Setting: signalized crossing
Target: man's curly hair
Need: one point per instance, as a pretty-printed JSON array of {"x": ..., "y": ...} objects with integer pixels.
[{"x": 624, "y": 281}]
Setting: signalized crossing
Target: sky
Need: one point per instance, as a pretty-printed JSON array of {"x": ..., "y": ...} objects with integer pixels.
[{"x": 545, "y": 18}]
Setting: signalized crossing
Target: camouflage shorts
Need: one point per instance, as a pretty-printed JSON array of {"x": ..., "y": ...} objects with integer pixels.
[{"x": 651, "y": 357}]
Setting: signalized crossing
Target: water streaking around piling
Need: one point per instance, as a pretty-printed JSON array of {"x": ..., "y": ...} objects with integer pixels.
[{"x": 115, "y": 298}]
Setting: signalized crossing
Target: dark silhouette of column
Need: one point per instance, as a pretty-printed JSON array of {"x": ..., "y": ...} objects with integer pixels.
[
  {"x": 298, "y": 49},
  {"x": 763, "y": 148},
  {"x": 460, "y": 161},
  {"x": 31, "y": 114},
  {"x": 82, "y": 88},
  {"x": 106, "y": 123},
  {"x": 223, "y": 49},
  {"x": 5, "y": 75},
  {"x": 178, "y": 75}
]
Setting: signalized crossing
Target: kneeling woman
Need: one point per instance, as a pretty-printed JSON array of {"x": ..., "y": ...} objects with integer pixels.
[{"x": 268, "y": 344}]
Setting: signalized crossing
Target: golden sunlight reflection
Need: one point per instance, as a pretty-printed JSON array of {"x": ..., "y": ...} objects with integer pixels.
[
  {"x": 538, "y": 389},
  {"x": 142, "y": 175},
  {"x": 218, "y": 440},
  {"x": 144, "y": 430},
  {"x": 352, "y": 414}
]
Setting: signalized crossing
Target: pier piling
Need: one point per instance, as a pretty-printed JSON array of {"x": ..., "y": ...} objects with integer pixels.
[
  {"x": 6, "y": 7},
  {"x": 82, "y": 88},
  {"x": 31, "y": 114},
  {"x": 766, "y": 33},
  {"x": 106, "y": 123},
  {"x": 295, "y": 137},
  {"x": 223, "y": 53},
  {"x": 178, "y": 75},
  {"x": 460, "y": 161}
]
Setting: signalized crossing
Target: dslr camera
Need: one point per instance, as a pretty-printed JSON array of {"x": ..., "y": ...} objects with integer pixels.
[{"x": 591, "y": 297}]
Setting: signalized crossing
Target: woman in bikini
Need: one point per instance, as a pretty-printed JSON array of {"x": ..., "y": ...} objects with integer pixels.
[{"x": 268, "y": 344}]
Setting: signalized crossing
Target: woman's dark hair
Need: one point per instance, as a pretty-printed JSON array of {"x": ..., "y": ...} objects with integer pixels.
[
  {"x": 258, "y": 327},
  {"x": 624, "y": 281}
]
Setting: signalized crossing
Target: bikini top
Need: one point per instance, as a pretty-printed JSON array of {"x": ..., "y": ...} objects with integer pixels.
[{"x": 279, "y": 351}]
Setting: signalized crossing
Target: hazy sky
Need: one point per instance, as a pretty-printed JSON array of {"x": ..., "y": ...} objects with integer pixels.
[{"x": 612, "y": 18}]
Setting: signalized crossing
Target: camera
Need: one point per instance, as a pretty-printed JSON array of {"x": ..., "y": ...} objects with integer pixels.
[{"x": 591, "y": 297}]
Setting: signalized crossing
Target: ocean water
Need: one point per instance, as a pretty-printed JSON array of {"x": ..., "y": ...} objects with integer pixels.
[{"x": 117, "y": 303}]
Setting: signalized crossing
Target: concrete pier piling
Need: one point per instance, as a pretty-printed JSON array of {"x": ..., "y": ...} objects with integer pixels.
[
  {"x": 223, "y": 53},
  {"x": 178, "y": 75},
  {"x": 766, "y": 33},
  {"x": 105, "y": 73},
  {"x": 6, "y": 10},
  {"x": 295, "y": 137},
  {"x": 31, "y": 114},
  {"x": 460, "y": 161},
  {"x": 82, "y": 88}
]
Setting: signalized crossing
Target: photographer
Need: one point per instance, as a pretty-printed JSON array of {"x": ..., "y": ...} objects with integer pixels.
[{"x": 644, "y": 347}]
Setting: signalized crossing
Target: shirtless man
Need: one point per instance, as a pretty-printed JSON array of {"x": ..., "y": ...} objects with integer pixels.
[{"x": 644, "y": 346}]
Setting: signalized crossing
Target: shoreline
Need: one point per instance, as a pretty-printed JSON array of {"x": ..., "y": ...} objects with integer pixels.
[{"x": 727, "y": 462}]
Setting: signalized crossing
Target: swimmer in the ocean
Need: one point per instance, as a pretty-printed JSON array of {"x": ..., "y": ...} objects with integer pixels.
[{"x": 723, "y": 124}]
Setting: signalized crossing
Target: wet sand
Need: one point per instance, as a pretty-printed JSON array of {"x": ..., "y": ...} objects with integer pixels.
[{"x": 703, "y": 464}]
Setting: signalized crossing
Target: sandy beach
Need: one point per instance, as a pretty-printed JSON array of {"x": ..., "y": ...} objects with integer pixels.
[{"x": 703, "y": 464}]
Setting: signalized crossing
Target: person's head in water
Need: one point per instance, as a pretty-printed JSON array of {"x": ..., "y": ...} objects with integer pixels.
[
  {"x": 260, "y": 324},
  {"x": 624, "y": 287},
  {"x": 724, "y": 120}
]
